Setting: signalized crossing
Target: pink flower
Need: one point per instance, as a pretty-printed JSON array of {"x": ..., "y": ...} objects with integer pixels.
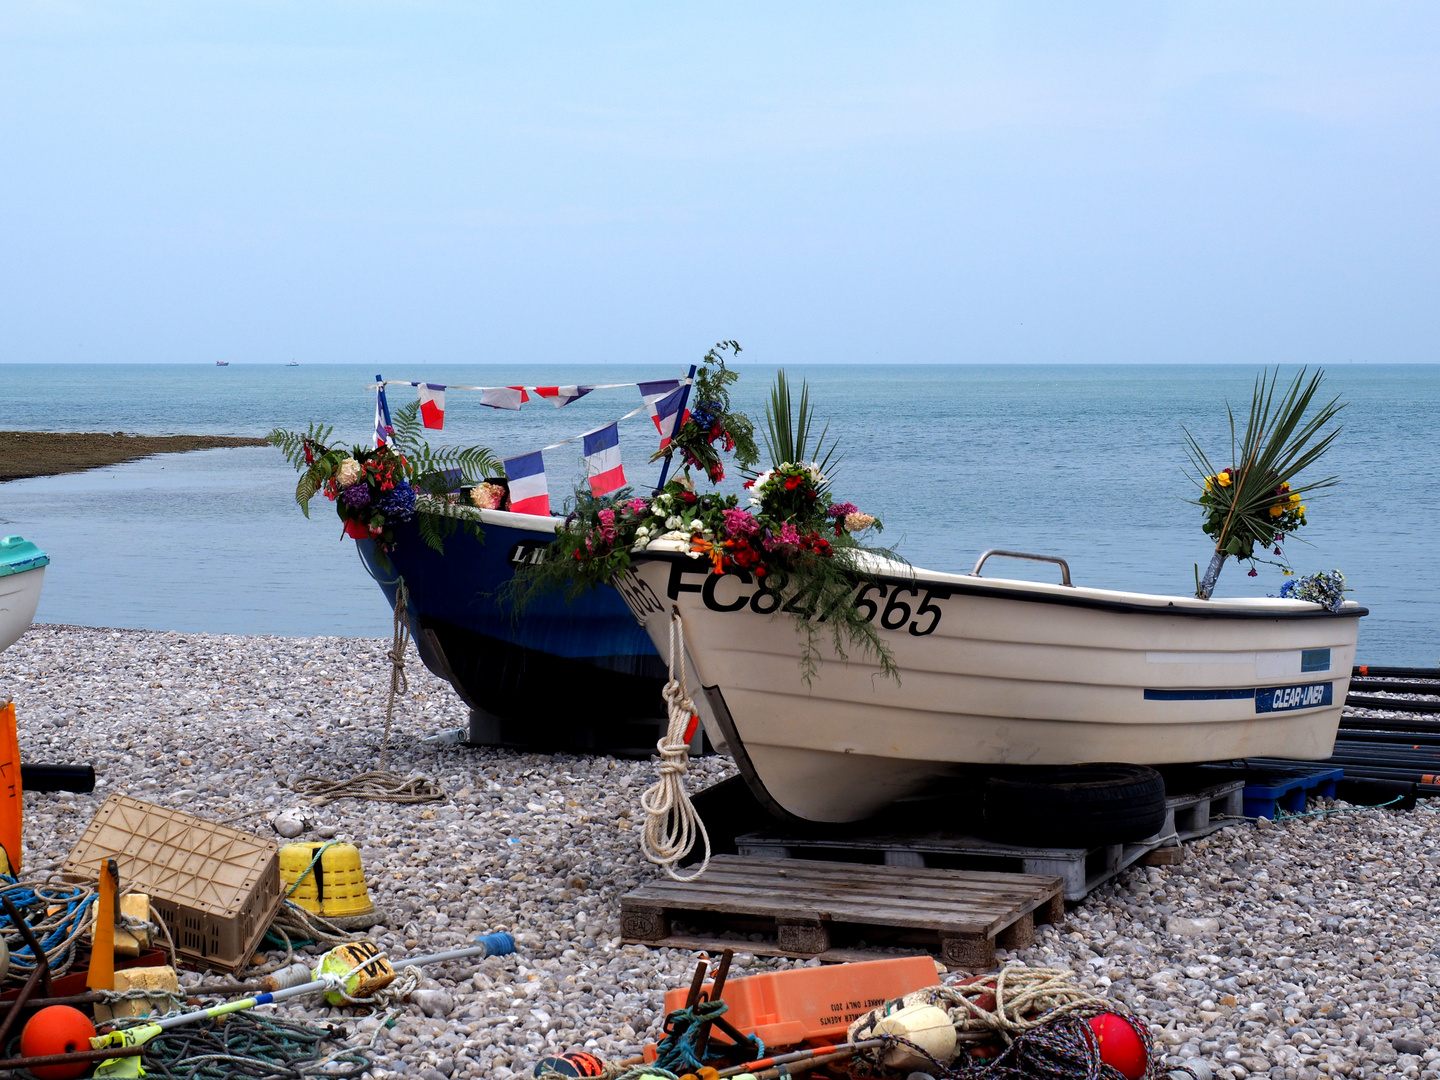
[
  {"x": 840, "y": 510},
  {"x": 637, "y": 506},
  {"x": 740, "y": 523},
  {"x": 789, "y": 537}
]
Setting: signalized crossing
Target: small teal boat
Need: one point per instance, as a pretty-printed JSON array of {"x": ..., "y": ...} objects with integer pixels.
[{"x": 22, "y": 570}]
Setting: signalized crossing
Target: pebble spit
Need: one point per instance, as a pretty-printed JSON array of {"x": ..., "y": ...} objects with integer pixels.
[{"x": 1293, "y": 951}]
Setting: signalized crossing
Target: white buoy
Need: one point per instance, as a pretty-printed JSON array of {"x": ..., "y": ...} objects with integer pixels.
[{"x": 924, "y": 1025}]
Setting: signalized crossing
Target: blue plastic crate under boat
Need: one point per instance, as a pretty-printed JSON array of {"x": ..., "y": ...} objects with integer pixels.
[{"x": 1286, "y": 787}]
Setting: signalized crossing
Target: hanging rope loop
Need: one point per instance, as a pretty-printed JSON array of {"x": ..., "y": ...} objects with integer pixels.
[{"x": 671, "y": 822}]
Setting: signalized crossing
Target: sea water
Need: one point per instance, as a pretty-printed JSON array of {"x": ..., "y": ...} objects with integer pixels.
[{"x": 1084, "y": 462}]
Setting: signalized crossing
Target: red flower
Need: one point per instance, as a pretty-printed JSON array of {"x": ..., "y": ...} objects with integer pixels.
[
  {"x": 357, "y": 531},
  {"x": 792, "y": 482}
]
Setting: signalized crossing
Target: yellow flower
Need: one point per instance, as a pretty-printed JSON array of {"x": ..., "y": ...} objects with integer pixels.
[
  {"x": 1276, "y": 510},
  {"x": 1289, "y": 573},
  {"x": 1294, "y": 498},
  {"x": 1300, "y": 509},
  {"x": 1223, "y": 479}
]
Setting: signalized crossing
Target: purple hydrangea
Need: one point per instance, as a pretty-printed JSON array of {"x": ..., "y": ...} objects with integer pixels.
[
  {"x": 398, "y": 504},
  {"x": 356, "y": 496}
]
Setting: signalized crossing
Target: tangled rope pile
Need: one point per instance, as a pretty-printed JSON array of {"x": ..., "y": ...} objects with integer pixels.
[
  {"x": 1059, "y": 1047},
  {"x": 1023, "y": 998},
  {"x": 671, "y": 823},
  {"x": 252, "y": 1047},
  {"x": 57, "y": 930}
]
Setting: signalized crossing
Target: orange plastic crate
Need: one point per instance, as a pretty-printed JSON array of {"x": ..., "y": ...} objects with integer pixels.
[{"x": 818, "y": 1004}]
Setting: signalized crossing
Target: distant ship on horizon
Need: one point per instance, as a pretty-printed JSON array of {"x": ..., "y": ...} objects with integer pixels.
[
  {"x": 222, "y": 363},
  {"x": 293, "y": 363}
]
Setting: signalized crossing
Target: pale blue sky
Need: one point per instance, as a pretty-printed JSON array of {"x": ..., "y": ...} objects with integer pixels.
[{"x": 826, "y": 182}]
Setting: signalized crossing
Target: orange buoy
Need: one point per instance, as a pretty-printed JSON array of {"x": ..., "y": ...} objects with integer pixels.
[
  {"x": 58, "y": 1029},
  {"x": 1121, "y": 1046}
]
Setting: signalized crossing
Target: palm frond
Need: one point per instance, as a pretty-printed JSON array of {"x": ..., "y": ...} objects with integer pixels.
[{"x": 788, "y": 425}]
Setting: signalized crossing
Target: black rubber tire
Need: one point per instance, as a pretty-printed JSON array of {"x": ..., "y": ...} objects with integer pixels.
[{"x": 1074, "y": 805}]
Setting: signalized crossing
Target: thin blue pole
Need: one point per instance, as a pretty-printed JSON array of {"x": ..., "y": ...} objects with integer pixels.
[{"x": 679, "y": 419}]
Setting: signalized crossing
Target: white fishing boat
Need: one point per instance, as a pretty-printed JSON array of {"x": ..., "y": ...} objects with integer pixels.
[
  {"x": 22, "y": 570},
  {"x": 991, "y": 672}
]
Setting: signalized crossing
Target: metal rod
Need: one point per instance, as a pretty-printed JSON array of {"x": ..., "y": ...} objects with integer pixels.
[
  {"x": 801, "y": 1055},
  {"x": 72, "y": 1058},
  {"x": 1064, "y": 566},
  {"x": 42, "y": 962},
  {"x": 679, "y": 419},
  {"x": 693, "y": 997},
  {"x": 717, "y": 991}
]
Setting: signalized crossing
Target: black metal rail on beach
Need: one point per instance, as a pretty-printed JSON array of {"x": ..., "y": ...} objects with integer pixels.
[{"x": 1402, "y": 747}]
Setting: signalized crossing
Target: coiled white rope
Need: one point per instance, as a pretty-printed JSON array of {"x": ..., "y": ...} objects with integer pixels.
[{"x": 671, "y": 823}]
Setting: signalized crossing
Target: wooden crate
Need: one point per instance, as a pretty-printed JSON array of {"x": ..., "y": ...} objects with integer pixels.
[{"x": 843, "y": 911}]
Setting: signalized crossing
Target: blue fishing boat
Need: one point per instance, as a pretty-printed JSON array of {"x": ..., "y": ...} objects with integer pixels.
[{"x": 576, "y": 674}]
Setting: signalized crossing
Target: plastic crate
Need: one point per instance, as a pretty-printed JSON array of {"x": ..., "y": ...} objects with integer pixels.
[{"x": 217, "y": 888}]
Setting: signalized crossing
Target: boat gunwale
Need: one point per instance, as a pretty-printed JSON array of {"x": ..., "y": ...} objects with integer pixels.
[{"x": 1040, "y": 592}]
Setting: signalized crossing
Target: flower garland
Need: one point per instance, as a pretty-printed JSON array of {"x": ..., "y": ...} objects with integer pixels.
[
  {"x": 788, "y": 534},
  {"x": 710, "y": 427}
]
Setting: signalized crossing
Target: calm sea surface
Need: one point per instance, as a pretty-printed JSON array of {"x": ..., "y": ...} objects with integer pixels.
[{"x": 1085, "y": 462}]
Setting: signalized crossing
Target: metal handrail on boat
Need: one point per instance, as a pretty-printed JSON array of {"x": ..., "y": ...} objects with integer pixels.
[{"x": 1064, "y": 566}]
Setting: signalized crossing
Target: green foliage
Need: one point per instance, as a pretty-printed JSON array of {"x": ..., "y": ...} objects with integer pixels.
[
  {"x": 432, "y": 466},
  {"x": 788, "y": 426},
  {"x": 711, "y": 423},
  {"x": 1252, "y": 503},
  {"x": 407, "y": 465}
]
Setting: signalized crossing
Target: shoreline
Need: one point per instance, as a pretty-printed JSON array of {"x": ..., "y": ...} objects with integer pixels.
[{"x": 25, "y": 455}]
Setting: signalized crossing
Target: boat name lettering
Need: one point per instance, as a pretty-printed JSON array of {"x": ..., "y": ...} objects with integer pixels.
[
  {"x": 527, "y": 552},
  {"x": 898, "y": 606},
  {"x": 638, "y": 596},
  {"x": 1284, "y": 698}
]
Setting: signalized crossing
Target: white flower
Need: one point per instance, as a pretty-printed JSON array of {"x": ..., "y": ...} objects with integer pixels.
[
  {"x": 815, "y": 473},
  {"x": 349, "y": 473},
  {"x": 757, "y": 488},
  {"x": 686, "y": 482},
  {"x": 674, "y": 522},
  {"x": 642, "y": 533},
  {"x": 697, "y": 526}
]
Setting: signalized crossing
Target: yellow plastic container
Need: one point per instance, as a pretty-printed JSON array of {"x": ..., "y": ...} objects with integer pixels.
[{"x": 334, "y": 887}]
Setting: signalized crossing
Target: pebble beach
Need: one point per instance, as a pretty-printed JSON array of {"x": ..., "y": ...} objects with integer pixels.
[{"x": 1293, "y": 950}]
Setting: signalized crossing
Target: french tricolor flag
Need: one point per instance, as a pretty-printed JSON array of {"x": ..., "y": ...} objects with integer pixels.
[
  {"x": 663, "y": 398},
  {"x": 504, "y": 397},
  {"x": 528, "y": 493},
  {"x": 602, "y": 459},
  {"x": 432, "y": 404},
  {"x": 561, "y": 395},
  {"x": 384, "y": 430}
]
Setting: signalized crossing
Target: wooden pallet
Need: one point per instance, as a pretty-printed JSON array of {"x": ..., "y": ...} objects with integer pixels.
[
  {"x": 839, "y": 911},
  {"x": 1188, "y": 817}
]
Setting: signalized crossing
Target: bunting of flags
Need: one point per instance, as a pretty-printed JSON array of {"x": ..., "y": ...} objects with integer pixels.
[
  {"x": 602, "y": 459},
  {"x": 561, "y": 395},
  {"x": 504, "y": 397},
  {"x": 432, "y": 405},
  {"x": 529, "y": 492},
  {"x": 663, "y": 400}
]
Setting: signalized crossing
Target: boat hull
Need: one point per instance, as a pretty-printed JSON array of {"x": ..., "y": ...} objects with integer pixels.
[
  {"x": 996, "y": 672},
  {"x": 575, "y": 674},
  {"x": 19, "y": 597}
]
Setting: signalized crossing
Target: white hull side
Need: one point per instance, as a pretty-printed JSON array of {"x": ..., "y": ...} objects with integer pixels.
[
  {"x": 19, "y": 596},
  {"x": 1011, "y": 673}
]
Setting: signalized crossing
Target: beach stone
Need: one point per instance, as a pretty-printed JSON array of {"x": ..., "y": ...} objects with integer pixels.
[
  {"x": 289, "y": 823},
  {"x": 1192, "y": 928},
  {"x": 434, "y": 1002},
  {"x": 1405, "y": 1044}
]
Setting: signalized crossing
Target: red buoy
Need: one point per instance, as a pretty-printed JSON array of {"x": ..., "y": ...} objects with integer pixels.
[
  {"x": 1121, "y": 1046},
  {"x": 58, "y": 1029}
]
